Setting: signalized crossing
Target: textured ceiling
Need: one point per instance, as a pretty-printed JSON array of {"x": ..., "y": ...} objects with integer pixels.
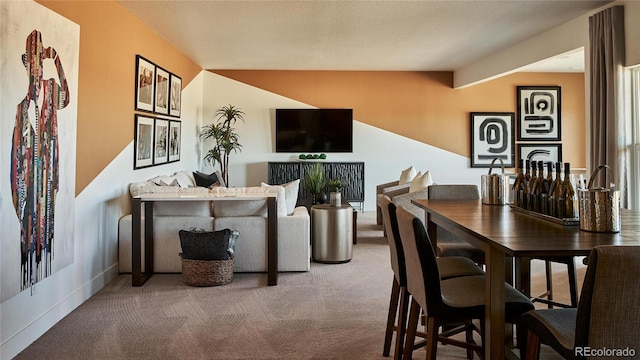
[{"x": 354, "y": 35}]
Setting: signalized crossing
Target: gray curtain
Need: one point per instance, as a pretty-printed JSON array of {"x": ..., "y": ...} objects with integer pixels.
[{"x": 610, "y": 128}]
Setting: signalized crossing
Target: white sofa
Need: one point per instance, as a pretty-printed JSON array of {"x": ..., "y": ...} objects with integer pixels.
[{"x": 249, "y": 217}]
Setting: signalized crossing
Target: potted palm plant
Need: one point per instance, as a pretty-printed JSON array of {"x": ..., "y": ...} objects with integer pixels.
[
  {"x": 224, "y": 137},
  {"x": 315, "y": 182}
]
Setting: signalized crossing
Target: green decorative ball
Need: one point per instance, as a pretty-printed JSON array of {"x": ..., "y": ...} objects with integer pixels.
[
  {"x": 316, "y": 156},
  {"x": 309, "y": 156},
  {"x": 302, "y": 157},
  {"x": 323, "y": 156}
]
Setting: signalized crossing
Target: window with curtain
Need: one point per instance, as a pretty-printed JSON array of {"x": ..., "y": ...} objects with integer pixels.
[{"x": 635, "y": 153}]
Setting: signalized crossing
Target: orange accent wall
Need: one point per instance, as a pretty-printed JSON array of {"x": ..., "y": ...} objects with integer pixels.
[
  {"x": 110, "y": 38},
  {"x": 423, "y": 105}
]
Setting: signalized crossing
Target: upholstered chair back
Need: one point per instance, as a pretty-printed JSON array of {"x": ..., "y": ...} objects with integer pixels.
[
  {"x": 454, "y": 192},
  {"x": 423, "y": 276},
  {"x": 609, "y": 308},
  {"x": 390, "y": 223}
]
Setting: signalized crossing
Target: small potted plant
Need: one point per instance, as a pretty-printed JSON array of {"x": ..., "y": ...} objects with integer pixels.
[
  {"x": 315, "y": 182},
  {"x": 335, "y": 197}
]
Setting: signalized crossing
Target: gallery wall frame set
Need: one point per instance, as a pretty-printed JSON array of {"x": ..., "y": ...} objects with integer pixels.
[
  {"x": 492, "y": 136},
  {"x": 157, "y": 90},
  {"x": 156, "y": 141}
]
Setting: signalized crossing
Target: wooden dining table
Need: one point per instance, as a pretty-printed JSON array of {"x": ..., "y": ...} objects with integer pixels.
[{"x": 502, "y": 232}]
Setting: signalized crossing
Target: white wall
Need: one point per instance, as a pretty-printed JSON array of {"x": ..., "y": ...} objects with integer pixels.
[
  {"x": 385, "y": 154},
  {"x": 98, "y": 209}
]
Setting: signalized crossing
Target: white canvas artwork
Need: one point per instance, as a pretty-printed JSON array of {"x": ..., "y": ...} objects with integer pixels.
[{"x": 39, "y": 52}]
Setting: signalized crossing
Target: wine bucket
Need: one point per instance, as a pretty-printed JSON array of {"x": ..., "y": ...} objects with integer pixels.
[
  {"x": 495, "y": 187},
  {"x": 599, "y": 207}
]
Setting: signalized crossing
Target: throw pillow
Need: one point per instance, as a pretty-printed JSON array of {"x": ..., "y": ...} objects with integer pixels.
[
  {"x": 185, "y": 180},
  {"x": 207, "y": 245},
  {"x": 421, "y": 182},
  {"x": 290, "y": 194},
  {"x": 208, "y": 181},
  {"x": 164, "y": 180},
  {"x": 407, "y": 175}
]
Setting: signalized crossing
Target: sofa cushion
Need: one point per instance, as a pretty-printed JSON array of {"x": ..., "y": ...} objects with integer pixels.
[
  {"x": 290, "y": 194},
  {"x": 258, "y": 207},
  {"x": 407, "y": 175},
  {"x": 204, "y": 180},
  {"x": 185, "y": 179},
  {"x": 420, "y": 182},
  {"x": 207, "y": 245}
]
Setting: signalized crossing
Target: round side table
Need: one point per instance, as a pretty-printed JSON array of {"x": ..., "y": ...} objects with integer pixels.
[{"x": 332, "y": 233}]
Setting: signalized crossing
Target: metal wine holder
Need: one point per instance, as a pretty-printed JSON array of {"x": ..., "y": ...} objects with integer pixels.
[
  {"x": 599, "y": 207},
  {"x": 495, "y": 187}
]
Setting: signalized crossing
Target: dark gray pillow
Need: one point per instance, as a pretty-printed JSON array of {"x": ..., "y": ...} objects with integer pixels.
[
  {"x": 204, "y": 180},
  {"x": 207, "y": 245}
]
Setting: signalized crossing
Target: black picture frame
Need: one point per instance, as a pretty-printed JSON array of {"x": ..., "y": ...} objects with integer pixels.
[
  {"x": 160, "y": 141},
  {"x": 539, "y": 113},
  {"x": 492, "y": 136},
  {"x": 175, "y": 140},
  {"x": 175, "y": 99},
  {"x": 145, "y": 84},
  {"x": 161, "y": 100},
  {"x": 544, "y": 152},
  {"x": 143, "y": 142}
]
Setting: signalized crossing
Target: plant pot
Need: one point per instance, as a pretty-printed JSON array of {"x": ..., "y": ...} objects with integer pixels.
[
  {"x": 335, "y": 199},
  {"x": 320, "y": 198}
]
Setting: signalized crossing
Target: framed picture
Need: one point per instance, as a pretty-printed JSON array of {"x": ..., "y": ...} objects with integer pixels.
[
  {"x": 145, "y": 84},
  {"x": 161, "y": 142},
  {"x": 143, "y": 142},
  {"x": 492, "y": 137},
  {"x": 174, "y": 140},
  {"x": 539, "y": 110},
  {"x": 176, "y": 96},
  {"x": 540, "y": 152},
  {"x": 161, "y": 104}
]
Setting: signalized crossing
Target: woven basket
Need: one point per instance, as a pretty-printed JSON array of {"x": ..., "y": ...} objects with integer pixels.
[{"x": 206, "y": 272}]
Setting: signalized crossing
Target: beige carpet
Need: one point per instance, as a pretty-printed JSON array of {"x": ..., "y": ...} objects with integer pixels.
[{"x": 333, "y": 312}]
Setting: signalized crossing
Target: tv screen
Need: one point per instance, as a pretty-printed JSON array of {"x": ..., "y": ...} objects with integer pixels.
[{"x": 314, "y": 130}]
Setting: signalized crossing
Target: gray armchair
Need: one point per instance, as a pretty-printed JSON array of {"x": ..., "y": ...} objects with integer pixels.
[{"x": 390, "y": 189}]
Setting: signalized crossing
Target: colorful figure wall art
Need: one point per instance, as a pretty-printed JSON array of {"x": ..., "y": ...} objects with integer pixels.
[{"x": 35, "y": 159}]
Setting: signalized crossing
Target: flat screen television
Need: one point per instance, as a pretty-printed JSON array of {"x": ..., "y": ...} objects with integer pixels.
[{"x": 314, "y": 130}]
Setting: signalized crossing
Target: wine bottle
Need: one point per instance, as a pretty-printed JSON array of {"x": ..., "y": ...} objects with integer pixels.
[
  {"x": 533, "y": 183},
  {"x": 543, "y": 187},
  {"x": 554, "y": 192},
  {"x": 517, "y": 195},
  {"x": 569, "y": 193},
  {"x": 524, "y": 186}
]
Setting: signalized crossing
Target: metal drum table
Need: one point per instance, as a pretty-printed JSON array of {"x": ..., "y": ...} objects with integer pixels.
[{"x": 332, "y": 233}]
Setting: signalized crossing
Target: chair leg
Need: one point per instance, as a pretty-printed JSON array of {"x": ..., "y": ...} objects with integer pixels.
[
  {"x": 412, "y": 327},
  {"x": 533, "y": 347},
  {"x": 469, "y": 338},
  {"x": 401, "y": 327},
  {"x": 391, "y": 317},
  {"x": 432, "y": 338},
  {"x": 573, "y": 286},
  {"x": 547, "y": 265}
]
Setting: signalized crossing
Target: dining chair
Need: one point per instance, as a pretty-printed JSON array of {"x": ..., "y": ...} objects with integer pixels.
[
  {"x": 455, "y": 300},
  {"x": 399, "y": 301},
  {"x": 448, "y": 244},
  {"x": 608, "y": 313}
]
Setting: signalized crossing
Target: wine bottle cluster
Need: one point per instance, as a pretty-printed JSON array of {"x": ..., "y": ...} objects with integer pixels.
[{"x": 546, "y": 194}]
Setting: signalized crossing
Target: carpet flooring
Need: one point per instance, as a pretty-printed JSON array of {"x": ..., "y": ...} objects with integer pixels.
[{"x": 335, "y": 311}]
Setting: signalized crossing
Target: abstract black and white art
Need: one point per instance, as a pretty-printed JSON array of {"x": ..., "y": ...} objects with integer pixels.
[
  {"x": 539, "y": 113},
  {"x": 492, "y": 137}
]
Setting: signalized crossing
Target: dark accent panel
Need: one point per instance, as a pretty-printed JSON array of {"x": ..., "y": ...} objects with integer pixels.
[{"x": 351, "y": 174}]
